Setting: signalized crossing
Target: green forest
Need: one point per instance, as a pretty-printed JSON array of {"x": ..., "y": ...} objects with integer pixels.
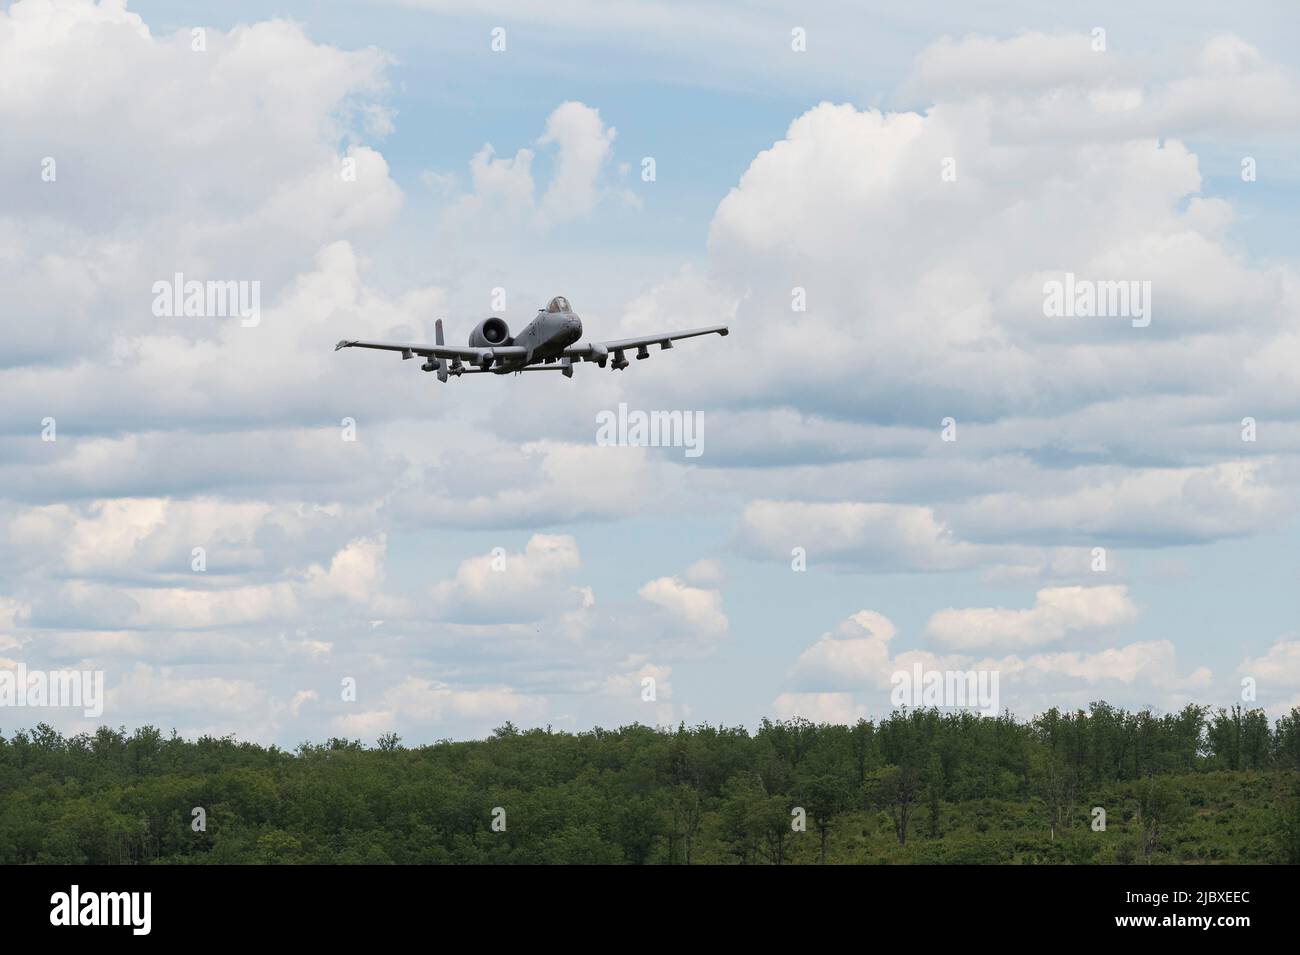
[{"x": 921, "y": 786}]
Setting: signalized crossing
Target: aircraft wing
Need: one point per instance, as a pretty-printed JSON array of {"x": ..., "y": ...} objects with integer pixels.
[
  {"x": 594, "y": 351},
  {"x": 463, "y": 352}
]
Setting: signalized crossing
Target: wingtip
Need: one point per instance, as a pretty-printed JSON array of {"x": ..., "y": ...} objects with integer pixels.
[
  {"x": 343, "y": 344},
  {"x": 724, "y": 331}
]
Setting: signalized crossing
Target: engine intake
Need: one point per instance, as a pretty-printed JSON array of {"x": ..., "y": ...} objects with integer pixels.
[{"x": 490, "y": 333}]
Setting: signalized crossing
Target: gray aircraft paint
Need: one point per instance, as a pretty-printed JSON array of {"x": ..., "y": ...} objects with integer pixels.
[{"x": 548, "y": 342}]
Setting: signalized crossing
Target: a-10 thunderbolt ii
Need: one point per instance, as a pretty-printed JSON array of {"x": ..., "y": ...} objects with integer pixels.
[{"x": 548, "y": 343}]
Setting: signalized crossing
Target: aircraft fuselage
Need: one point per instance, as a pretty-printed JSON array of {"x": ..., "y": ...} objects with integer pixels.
[{"x": 545, "y": 337}]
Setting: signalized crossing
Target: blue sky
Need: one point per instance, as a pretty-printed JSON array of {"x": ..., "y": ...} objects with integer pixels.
[{"x": 372, "y": 560}]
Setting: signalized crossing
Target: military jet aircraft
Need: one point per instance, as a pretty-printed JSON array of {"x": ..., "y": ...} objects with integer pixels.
[{"x": 548, "y": 343}]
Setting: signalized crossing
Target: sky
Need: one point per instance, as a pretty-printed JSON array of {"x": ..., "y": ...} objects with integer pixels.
[{"x": 907, "y": 459}]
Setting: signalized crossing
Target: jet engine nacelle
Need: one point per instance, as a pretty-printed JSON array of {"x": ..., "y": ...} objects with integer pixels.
[{"x": 490, "y": 333}]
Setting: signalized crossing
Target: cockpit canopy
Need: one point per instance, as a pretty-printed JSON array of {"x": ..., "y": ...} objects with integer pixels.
[{"x": 559, "y": 304}]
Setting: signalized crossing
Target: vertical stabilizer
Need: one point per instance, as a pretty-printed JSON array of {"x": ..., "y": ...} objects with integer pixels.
[{"x": 437, "y": 338}]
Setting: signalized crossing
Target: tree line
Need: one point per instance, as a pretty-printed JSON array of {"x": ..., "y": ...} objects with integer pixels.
[{"x": 917, "y": 786}]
